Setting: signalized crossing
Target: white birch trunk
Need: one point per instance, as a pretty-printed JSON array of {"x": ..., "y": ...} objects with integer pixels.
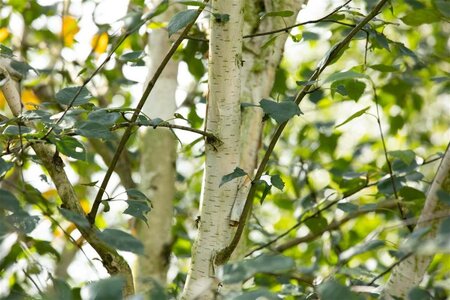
[
  {"x": 223, "y": 120},
  {"x": 258, "y": 75},
  {"x": 157, "y": 167},
  {"x": 410, "y": 272}
]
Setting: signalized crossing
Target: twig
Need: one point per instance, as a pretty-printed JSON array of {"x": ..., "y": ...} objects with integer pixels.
[
  {"x": 390, "y": 268},
  {"x": 287, "y": 28},
  {"x": 388, "y": 162},
  {"x": 206, "y": 134},
  {"x": 303, "y": 220},
  {"x": 127, "y": 133},
  {"x": 332, "y": 226}
]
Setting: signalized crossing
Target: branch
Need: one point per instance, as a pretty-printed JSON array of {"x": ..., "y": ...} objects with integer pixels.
[
  {"x": 303, "y": 220},
  {"x": 137, "y": 110},
  {"x": 334, "y": 225},
  {"x": 225, "y": 253},
  {"x": 287, "y": 28},
  {"x": 388, "y": 161},
  {"x": 208, "y": 135}
]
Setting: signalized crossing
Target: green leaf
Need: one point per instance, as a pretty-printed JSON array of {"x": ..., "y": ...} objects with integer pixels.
[
  {"x": 75, "y": 218},
  {"x": 277, "y": 182},
  {"x": 133, "y": 56},
  {"x": 134, "y": 194},
  {"x": 444, "y": 7},
  {"x": 417, "y": 293},
  {"x": 62, "y": 290},
  {"x": 411, "y": 194},
  {"x": 333, "y": 290},
  {"x": 106, "y": 289},
  {"x": 192, "y": 3},
  {"x": 355, "y": 89},
  {"x": 358, "y": 249},
  {"x": 266, "y": 189},
  {"x": 406, "y": 156},
  {"x": 347, "y": 207},
  {"x": 181, "y": 20},
  {"x": 345, "y": 75},
  {"x": 354, "y": 116},
  {"x": 9, "y": 201},
  {"x": 242, "y": 270},
  {"x": 71, "y": 147},
  {"x": 45, "y": 247},
  {"x": 261, "y": 293},
  {"x": 104, "y": 116},
  {"x": 280, "y": 111},
  {"x": 316, "y": 224},
  {"x": 443, "y": 196},
  {"x": 5, "y": 51},
  {"x": 23, "y": 221},
  {"x": 421, "y": 16},
  {"x": 66, "y": 96},
  {"x": 16, "y": 130},
  {"x": 238, "y": 172},
  {"x": 121, "y": 240},
  {"x": 385, "y": 68},
  {"x": 282, "y": 13},
  {"x": 138, "y": 209},
  {"x": 94, "y": 130},
  {"x": 444, "y": 228},
  {"x": 5, "y": 166}
]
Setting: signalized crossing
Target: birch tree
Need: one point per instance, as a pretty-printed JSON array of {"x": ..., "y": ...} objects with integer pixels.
[
  {"x": 223, "y": 120},
  {"x": 317, "y": 162},
  {"x": 157, "y": 162}
]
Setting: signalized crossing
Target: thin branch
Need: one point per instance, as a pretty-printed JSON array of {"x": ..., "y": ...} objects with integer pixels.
[
  {"x": 287, "y": 28},
  {"x": 334, "y": 52},
  {"x": 334, "y": 225},
  {"x": 390, "y": 268},
  {"x": 206, "y": 134},
  {"x": 137, "y": 110},
  {"x": 388, "y": 161},
  {"x": 303, "y": 220}
]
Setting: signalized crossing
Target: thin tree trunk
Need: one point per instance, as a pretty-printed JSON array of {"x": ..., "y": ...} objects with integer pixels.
[
  {"x": 258, "y": 76},
  {"x": 410, "y": 272},
  {"x": 157, "y": 167},
  {"x": 223, "y": 120}
]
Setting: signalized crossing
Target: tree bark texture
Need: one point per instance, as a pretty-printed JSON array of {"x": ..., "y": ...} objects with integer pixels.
[{"x": 223, "y": 120}]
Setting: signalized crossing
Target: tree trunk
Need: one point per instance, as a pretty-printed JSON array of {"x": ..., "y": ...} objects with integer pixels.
[
  {"x": 223, "y": 120},
  {"x": 258, "y": 76},
  {"x": 157, "y": 167},
  {"x": 409, "y": 273}
]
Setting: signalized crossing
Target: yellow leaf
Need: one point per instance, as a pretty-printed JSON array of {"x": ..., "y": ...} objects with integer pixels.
[
  {"x": 29, "y": 98},
  {"x": 50, "y": 194},
  {"x": 2, "y": 101},
  {"x": 4, "y": 33},
  {"x": 85, "y": 205},
  {"x": 100, "y": 43},
  {"x": 69, "y": 29}
]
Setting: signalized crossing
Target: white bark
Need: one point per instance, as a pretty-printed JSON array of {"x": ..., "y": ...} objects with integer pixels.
[
  {"x": 223, "y": 120},
  {"x": 157, "y": 168},
  {"x": 258, "y": 75},
  {"x": 410, "y": 272}
]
